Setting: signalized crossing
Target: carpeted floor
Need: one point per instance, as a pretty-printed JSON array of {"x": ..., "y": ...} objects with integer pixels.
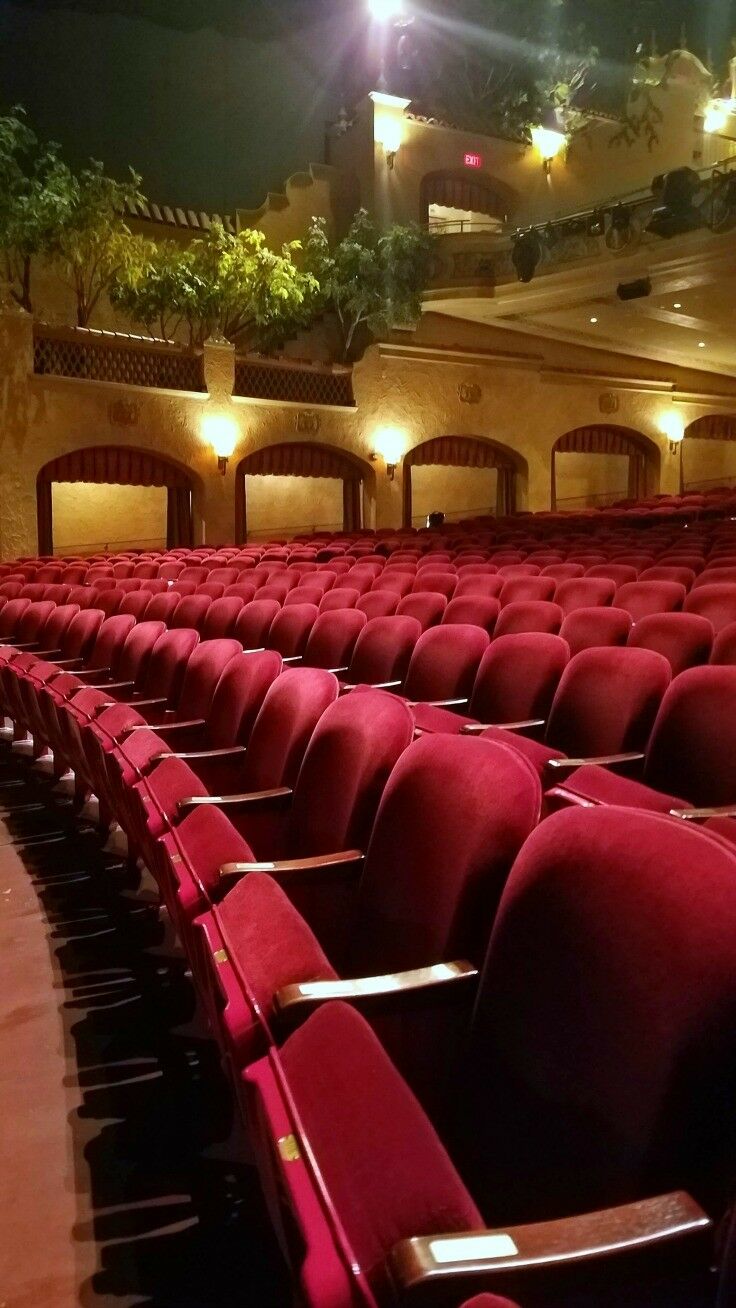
[{"x": 123, "y": 1177}]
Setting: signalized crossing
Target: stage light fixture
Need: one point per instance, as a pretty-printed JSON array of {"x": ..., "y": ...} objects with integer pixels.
[
  {"x": 675, "y": 212},
  {"x": 621, "y": 228},
  {"x": 526, "y": 254}
]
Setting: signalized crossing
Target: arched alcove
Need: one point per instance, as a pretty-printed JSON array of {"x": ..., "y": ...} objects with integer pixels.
[
  {"x": 458, "y": 200},
  {"x": 709, "y": 452},
  {"x": 118, "y": 465},
  {"x": 630, "y": 470},
  {"x": 466, "y": 452},
  {"x": 303, "y": 459}
]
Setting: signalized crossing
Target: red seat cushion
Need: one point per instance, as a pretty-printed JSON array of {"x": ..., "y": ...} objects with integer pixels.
[{"x": 601, "y": 786}]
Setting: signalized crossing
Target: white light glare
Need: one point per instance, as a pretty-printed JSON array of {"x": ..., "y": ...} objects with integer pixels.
[
  {"x": 672, "y": 425},
  {"x": 386, "y": 11},
  {"x": 717, "y": 115}
]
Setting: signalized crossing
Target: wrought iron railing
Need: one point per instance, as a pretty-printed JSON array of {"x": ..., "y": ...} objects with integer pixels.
[
  {"x": 87, "y": 355},
  {"x": 293, "y": 382}
]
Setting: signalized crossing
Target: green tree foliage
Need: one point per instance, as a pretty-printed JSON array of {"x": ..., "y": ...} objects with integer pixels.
[
  {"x": 94, "y": 245},
  {"x": 371, "y": 280},
  {"x": 221, "y": 282},
  {"x": 34, "y": 201}
]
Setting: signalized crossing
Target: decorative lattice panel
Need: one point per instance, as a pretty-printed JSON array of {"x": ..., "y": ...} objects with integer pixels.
[
  {"x": 272, "y": 381},
  {"x": 109, "y": 360}
]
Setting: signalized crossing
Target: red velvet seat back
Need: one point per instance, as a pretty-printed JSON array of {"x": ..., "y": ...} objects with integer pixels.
[
  {"x": 717, "y": 603},
  {"x": 353, "y": 749},
  {"x": 724, "y": 645},
  {"x": 52, "y": 631},
  {"x": 137, "y": 650},
  {"x": 292, "y": 707},
  {"x": 453, "y": 817},
  {"x": 289, "y": 631},
  {"x": 442, "y": 583},
  {"x": 444, "y": 662},
  {"x": 383, "y": 650},
  {"x": 11, "y": 614},
  {"x": 393, "y": 579},
  {"x": 110, "y": 642},
  {"x": 586, "y": 628},
  {"x": 584, "y": 593},
  {"x": 332, "y": 638},
  {"x": 191, "y": 612},
  {"x": 607, "y": 701},
  {"x": 204, "y": 668},
  {"x": 379, "y": 603},
  {"x": 489, "y": 584},
  {"x": 517, "y": 678},
  {"x": 79, "y": 638},
  {"x": 215, "y": 589},
  {"x": 477, "y": 610},
  {"x": 220, "y": 618},
  {"x": 640, "y": 598},
  {"x": 340, "y": 597},
  {"x": 238, "y": 697},
  {"x": 603, "y": 1064},
  {"x": 162, "y": 607},
  {"x": 527, "y": 588},
  {"x": 692, "y": 752},
  {"x": 427, "y": 607},
  {"x": 253, "y": 623},
  {"x": 665, "y": 572},
  {"x": 684, "y": 639},
  {"x": 529, "y": 615},
  {"x": 241, "y": 590},
  {"x": 33, "y": 620},
  {"x": 167, "y": 664},
  {"x": 620, "y": 573}
]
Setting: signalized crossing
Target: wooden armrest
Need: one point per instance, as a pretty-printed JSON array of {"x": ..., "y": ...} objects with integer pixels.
[
  {"x": 70, "y": 664},
  {"x": 603, "y": 760},
  {"x": 85, "y": 673},
  {"x": 343, "y": 861},
  {"x": 702, "y": 814},
  {"x": 368, "y": 987},
  {"x": 160, "y": 702},
  {"x": 440, "y": 703},
  {"x": 269, "y": 797},
  {"x": 373, "y": 685},
  {"x": 118, "y": 686},
  {"x": 23, "y": 647},
  {"x": 232, "y": 752},
  {"x": 337, "y": 671},
  {"x": 50, "y": 655},
  {"x": 260, "y": 649},
  {"x": 471, "y": 728},
  {"x": 164, "y": 728},
  {"x": 292, "y": 658},
  {"x": 610, "y": 1232}
]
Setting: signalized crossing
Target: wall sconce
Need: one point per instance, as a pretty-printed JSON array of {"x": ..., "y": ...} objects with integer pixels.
[
  {"x": 388, "y": 123},
  {"x": 221, "y": 433},
  {"x": 389, "y": 444},
  {"x": 717, "y": 115},
  {"x": 548, "y": 138},
  {"x": 672, "y": 425}
]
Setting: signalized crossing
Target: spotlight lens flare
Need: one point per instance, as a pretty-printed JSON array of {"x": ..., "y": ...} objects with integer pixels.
[{"x": 385, "y": 11}]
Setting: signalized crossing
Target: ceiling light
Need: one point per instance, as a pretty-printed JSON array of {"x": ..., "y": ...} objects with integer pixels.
[
  {"x": 594, "y": 320},
  {"x": 701, "y": 345},
  {"x": 548, "y": 137},
  {"x": 677, "y": 305}
]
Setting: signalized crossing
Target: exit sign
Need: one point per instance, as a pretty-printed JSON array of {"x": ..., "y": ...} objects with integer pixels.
[{"x": 473, "y": 161}]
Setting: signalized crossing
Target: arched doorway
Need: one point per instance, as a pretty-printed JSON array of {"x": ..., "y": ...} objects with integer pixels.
[
  {"x": 625, "y": 466},
  {"x": 709, "y": 452},
  {"x": 456, "y": 200},
  {"x": 468, "y": 453},
  {"x": 120, "y": 466},
  {"x": 304, "y": 459}
]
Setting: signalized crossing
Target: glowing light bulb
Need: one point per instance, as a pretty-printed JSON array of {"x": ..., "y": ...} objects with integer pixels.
[
  {"x": 385, "y": 11},
  {"x": 672, "y": 425},
  {"x": 548, "y": 142}
]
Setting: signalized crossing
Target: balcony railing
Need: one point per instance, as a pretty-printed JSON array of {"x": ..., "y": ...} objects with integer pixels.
[
  {"x": 293, "y": 382},
  {"x": 87, "y": 355}
]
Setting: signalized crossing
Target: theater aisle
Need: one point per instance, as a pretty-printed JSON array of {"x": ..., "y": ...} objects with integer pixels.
[{"x": 117, "y": 1184}]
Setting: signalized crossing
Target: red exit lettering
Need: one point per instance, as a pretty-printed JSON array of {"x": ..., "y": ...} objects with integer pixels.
[{"x": 473, "y": 161}]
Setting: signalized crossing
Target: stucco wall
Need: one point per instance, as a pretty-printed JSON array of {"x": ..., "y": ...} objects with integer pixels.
[
  {"x": 708, "y": 461},
  {"x": 525, "y": 403},
  {"x": 292, "y": 504},
  {"x": 89, "y": 517},
  {"x": 457, "y": 492},
  {"x": 581, "y": 479}
]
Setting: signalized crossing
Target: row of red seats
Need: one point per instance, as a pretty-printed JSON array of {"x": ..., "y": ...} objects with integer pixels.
[{"x": 388, "y": 860}]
